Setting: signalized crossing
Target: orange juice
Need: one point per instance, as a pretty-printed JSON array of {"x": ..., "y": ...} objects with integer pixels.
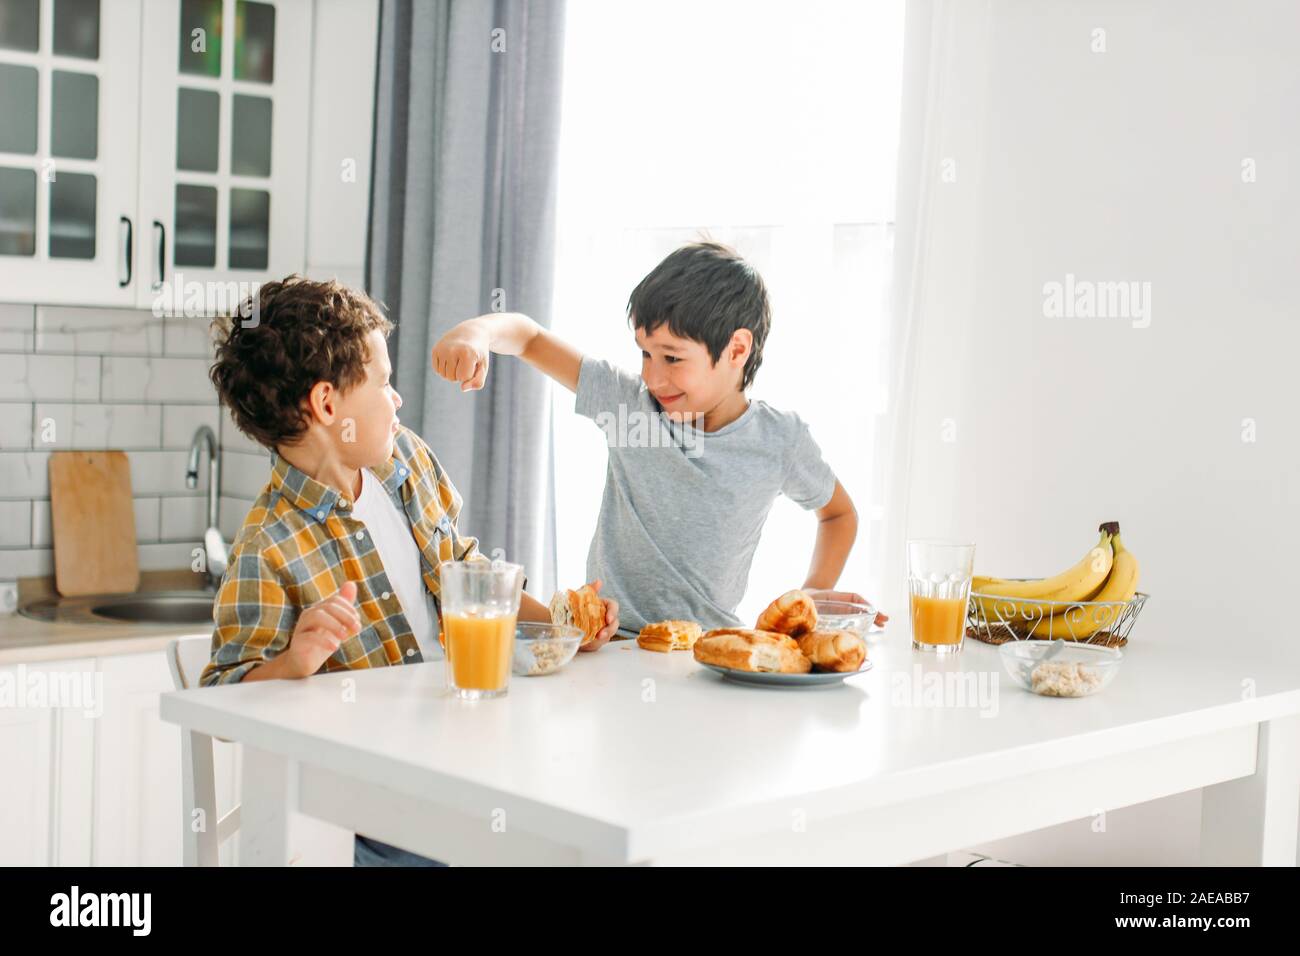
[
  {"x": 479, "y": 648},
  {"x": 938, "y": 620}
]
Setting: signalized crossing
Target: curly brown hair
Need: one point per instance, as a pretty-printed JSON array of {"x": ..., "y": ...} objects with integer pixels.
[{"x": 300, "y": 332}]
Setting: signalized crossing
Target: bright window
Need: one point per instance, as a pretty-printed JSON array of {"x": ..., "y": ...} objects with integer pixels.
[{"x": 772, "y": 127}]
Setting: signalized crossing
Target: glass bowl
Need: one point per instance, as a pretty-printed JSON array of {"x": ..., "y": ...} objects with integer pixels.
[
  {"x": 1060, "y": 668},
  {"x": 846, "y": 616},
  {"x": 543, "y": 648}
]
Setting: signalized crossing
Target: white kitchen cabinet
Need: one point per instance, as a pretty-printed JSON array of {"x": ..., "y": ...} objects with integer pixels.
[
  {"x": 225, "y": 102},
  {"x": 103, "y": 788},
  {"x": 69, "y": 109},
  {"x": 148, "y": 145},
  {"x": 47, "y": 754},
  {"x": 342, "y": 134}
]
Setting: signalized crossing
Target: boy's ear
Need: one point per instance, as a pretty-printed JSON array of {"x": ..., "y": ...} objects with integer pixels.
[
  {"x": 322, "y": 401},
  {"x": 741, "y": 344}
]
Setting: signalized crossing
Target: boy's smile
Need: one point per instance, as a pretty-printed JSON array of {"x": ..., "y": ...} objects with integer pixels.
[{"x": 683, "y": 378}]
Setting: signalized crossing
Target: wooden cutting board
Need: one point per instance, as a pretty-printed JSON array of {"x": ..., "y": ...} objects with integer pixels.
[{"x": 93, "y": 521}]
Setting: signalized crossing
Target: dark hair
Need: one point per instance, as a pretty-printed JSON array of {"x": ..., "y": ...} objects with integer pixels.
[
  {"x": 301, "y": 332},
  {"x": 704, "y": 292}
]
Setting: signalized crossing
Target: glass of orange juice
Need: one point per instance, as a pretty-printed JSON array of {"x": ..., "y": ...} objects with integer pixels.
[
  {"x": 938, "y": 584},
  {"x": 480, "y": 602}
]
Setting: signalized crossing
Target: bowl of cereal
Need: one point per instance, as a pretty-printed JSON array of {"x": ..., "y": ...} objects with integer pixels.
[
  {"x": 1060, "y": 668},
  {"x": 543, "y": 648}
]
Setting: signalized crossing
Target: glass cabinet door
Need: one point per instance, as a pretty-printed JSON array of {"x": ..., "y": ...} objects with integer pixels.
[
  {"x": 225, "y": 109},
  {"x": 69, "y": 74}
]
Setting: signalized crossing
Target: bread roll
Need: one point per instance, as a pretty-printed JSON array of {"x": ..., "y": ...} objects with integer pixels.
[
  {"x": 743, "y": 649},
  {"x": 792, "y": 613},
  {"x": 582, "y": 609},
  {"x": 834, "y": 650},
  {"x": 667, "y": 636}
]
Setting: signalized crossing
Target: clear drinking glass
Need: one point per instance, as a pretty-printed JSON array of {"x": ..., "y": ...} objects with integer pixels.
[
  {"x": 938, "y": 585},
  {"x": 480, "y": 603}
]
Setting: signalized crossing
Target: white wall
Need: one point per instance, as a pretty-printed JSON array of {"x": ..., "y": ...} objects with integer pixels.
[{"x": 1118, "y": 165}]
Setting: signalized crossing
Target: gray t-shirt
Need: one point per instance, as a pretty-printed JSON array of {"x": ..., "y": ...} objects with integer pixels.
[{"x": 683, "y": 508}]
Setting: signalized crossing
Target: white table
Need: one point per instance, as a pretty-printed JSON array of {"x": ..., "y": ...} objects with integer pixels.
[{"x": 629, "y": 756}]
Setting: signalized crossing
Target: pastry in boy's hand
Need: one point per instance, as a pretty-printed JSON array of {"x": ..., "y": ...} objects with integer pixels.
[
  {"x": 793, "y": 613},
  {"x": 668, "y": 636},
  {"x": 834, "y": 650},
  {"x": 744, "y": 649},
  {"x": 582, "y": 609}
]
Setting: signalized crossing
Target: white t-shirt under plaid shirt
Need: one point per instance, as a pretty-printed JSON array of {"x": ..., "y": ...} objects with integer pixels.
[{"x": 391, "y": 533}]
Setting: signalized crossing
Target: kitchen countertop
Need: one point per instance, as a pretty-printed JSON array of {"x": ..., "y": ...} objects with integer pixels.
[{"x": 26, "y": 641}]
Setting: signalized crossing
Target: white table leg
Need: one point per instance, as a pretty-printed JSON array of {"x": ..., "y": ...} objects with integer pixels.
[
  {"x": 268, "y": 797},
  {"x": 1252, "y": 821}
]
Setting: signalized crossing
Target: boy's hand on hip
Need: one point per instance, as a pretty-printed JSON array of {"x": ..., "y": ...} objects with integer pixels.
[
  {"x": 320, "y": 630},
  {"x": 611, "y": 622},
  {"x": 462, "y": 355}
]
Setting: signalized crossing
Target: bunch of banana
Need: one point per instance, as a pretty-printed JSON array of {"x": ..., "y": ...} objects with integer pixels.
[
  {"x": 1048, "y": 607},
  {"x": 1080, "y": 623}
]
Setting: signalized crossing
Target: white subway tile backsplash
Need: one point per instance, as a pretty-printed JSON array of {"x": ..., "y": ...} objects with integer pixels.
[
  {"x": 185, "y": 335},
  {"x": 146, "y": 519},
  {"x": 24, "y": 474},
  {"x": 156, "y": 379},
  {"x": 17, "y": 327},
  {"x": 53, "y": 378},
  {"x": 25, "y": 563},
  {"x": 98, "y": 331},
  {"x": 89, "y": 378},
  {"x": 232, "y": 439},
  {"x": 185, "y": 519},
  {"x": 180, "y": 422},
  {"x": 15, "y": 425},
  {"x": 167, "y": 556},
  {"x": 163, "y": 473},
  {"x": 231, "y": 515},
  {"x": 90, "y": 425},
  {"x": 245, "y": 475},
  {"x": 42, "y": 535},
  {"x": 15, "y": 524}
]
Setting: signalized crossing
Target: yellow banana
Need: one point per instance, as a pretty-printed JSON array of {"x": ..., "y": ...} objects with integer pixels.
[
  {"x": 1004, "y": 600},
  {"x": 1081, "y": 623}
]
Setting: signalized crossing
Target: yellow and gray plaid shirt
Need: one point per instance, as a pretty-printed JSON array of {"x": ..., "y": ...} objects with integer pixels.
[{"x": 300, "y": 542}]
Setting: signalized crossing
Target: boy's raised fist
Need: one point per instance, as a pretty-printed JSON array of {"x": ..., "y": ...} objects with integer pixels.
[{"x": 462, "y": 356}]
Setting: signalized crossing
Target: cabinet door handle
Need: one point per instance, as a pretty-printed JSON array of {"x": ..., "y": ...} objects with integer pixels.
[
  {"x": 160, "y": 231},
  {"x": 130, "y": 242}
]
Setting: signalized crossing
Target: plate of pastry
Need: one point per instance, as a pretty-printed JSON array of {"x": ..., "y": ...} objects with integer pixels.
[{"x": 785, "y": 648}]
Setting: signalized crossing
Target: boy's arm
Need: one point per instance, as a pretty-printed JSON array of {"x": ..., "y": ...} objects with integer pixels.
[
  {"x": 257, "y": 636},
  {"x": 462, "y": 354},
  {"x": 837, "y": 528}
]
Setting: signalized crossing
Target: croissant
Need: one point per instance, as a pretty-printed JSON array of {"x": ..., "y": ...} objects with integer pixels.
[
  {"x": 751, "y": 650},
  {"x": 669, "y": 636},
  {"x": 792, "y": 613},
  {"x": 582, "y": 609},
  {"x": 834, "y": 650}
]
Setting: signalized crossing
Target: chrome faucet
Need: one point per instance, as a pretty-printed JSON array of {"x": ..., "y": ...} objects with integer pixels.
[{"x": 213, "y": 544}]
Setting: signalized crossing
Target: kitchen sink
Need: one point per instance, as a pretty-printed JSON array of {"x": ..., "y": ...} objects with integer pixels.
[{"x": 170, "y": 608}]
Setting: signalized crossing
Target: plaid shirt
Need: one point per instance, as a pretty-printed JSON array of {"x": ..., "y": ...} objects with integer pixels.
[{"x": 300, "y": 542}]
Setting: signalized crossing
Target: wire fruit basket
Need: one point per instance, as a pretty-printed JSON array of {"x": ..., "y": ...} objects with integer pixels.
[{"x": 995, "y": 619}]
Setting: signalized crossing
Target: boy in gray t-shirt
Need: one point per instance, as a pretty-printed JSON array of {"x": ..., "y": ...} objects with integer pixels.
[{"x": 694, "y": 465}]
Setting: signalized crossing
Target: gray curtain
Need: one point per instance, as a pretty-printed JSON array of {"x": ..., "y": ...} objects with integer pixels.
[{"x": 467, "y": 118}]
